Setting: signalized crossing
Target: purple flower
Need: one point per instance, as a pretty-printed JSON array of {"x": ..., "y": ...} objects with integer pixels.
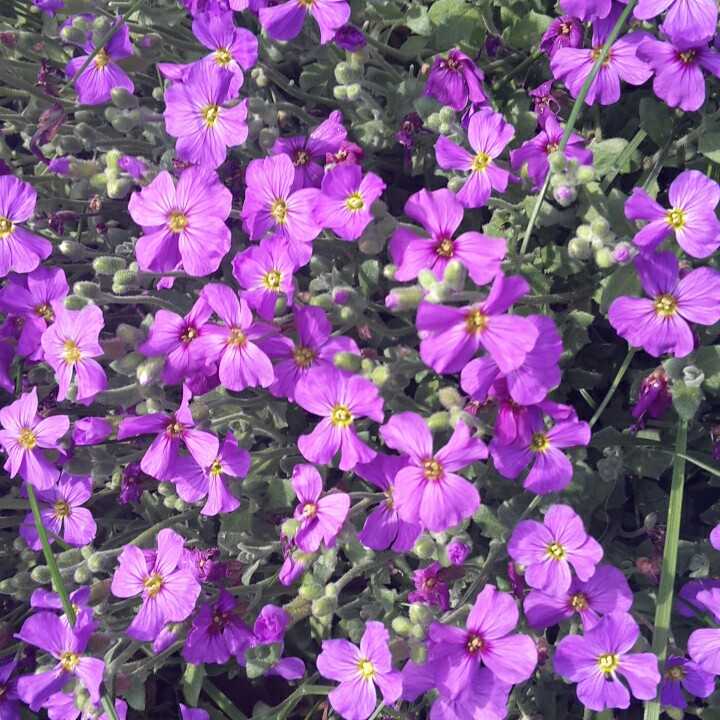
[
  {"x": 42, "y": 599},
  {"x": 605, "y": 592},
  {"x": 242, "y": 363},
  {"x": 704, "y": 644},
  {"x": 49, "y": 6},
  {"x": 347, "y": 154},
  {"x": 428, "y": 489},
  {"x": 596, "y": 659},
  {"x": 573, "y": 65},
  {"x": 440, "y": 213},
  {"x": 274, "y": 201},
  {"x": 20, "y": 250},
  {"x": 548, "y": 550},
  {"x": 168, "y": 593},
  {"x": 62, "y": 513},
  {"x": 488, "y": 134},
  {"x": 194, "y": 483},
  {"x": 345, "y": 200},
  {"x": 661, "y": 325},
  {"x": 683, "y": 674},
  {"x": 285, "y": 21},
  {"x": 547, "y": 101},
  {"x": 235, "y": 49},
  {"x": 551, "y": 470},
  {"x": 133, "y": 166},
  {"x": 61, "y": 706},
  {"x": 130, "y": 485},
  {"x": 204, "y": 565},
  {"x": 457, "y": 654},
  {"x": 430, "y": 587},
  {"x": 653, "y": 400},
  {"x": 340, "y": 399},
  {"x": 91, "y": 431},
  {"x": 451, "y": 336},
  {"x": 688, "y": 21},
  {"x": 9, "y": 699},
  {"x": 305, "y": 151},
  {"x": 678, "y": 69},
  {"x": 384, "y": 527},
  {"x": 692, "y": 197},
  {"x": 349, "y": 38},
  {"x": 265, "y": 272},
  {"x": 358, "y": 670},
  {"x": 454, "y": 80},
  {"x": 184, "y": 226},
  {"x": 320, "y": 517},
  {"x": 535, "y": 152},
  {"x": 69, "y": 345},
  {"x": 102, "y": 75},
  {"x": 587, "y": 10},
  {"x": 457, "y": 552},
  {"x": 23, "y": 436},
  {"x": 50, "y": 633},
  {"x": 197, "y": 115},
  {"x": 187, "y": 713},
  {"x": 411, "y": 125},
  {"x": 565, "y": 31}
]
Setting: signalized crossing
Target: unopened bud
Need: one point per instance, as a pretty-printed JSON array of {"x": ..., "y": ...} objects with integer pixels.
[
  {"x": 340, "y": 92},
  {"x": 565, "y": 195},
  {"x": 86, "y": 289},
  {"x": 380, "y": 375},
  {"x": 449, "y": 397},
  {"x": 125, "y": 281},
  {"x": 298, "y": 608},
  {"x": 82, "y": 575},
  {"x": 401, "y": 625},
  {"x": 604, "y": 258},
  {"x": 323, "y": 607},
  {"x": 557, "y": 162},
  {"x": 403, "y": 299},
  {"x": 353, "y": 91},
  {"x": 344, "y": 73},
  {"x": 693, "y": 376},
  {"x": 150, "y": 371},
  {"x": 75, "y": 302},
  {"x": 419, "y": 654},
  {"x": 107, "y": 265},
  {"x": 579, "y": 249},
  {"x": 40, "y": 574},
  {"x": 311, "y": 591},
  {"x": 420, "y": 614},
  {"x": 585, "y": 174},
  {"x": 290, "y": 527},
  {"x": 438, "y": 421},
  {"x": 348, "y": 361},
  {"x": 72, "y": 250},
  {"x": 73, "y": 35},
  {"x": 455, "y": 275},
  {"x": 166, "y": 489},
  {"x": 600, "y": 227},
  {"x": 123, "y": 99},
  {"x": 438, "y": 293},
  {"x": 424, "y": 547}
]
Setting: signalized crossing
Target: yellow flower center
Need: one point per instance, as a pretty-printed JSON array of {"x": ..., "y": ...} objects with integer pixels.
[
  {"x": 6, "y": 227},
  {"x": 551, "y": 147},
  {"x": 579, "y": 602},
  {"x": 539, "y": 442},
  {"x": 71, "y": 352},
  {"x": 480, "y": 162},
  {"x": 555, "y": 551},
  {"x": 301, "y": 158},
  {"x": 188, "y": 335},
  {"x": 596, "y": 54},
  {"x": 432, "y": 469},
  {"x": 675, "y": 219},
  {"x": 354, "y": 202},
  {"x": 237, "y": 338},
  {"x": 69, "y": 661},
  {"x": 175, "y": 429},
  {"x": 177, "y": 221},
  {"x": 309, "y": 510},
  {"x": 446, "y": 248},
  {"x": 216, "y": 468},
  {"x": 304, "y": 356},
  {"x": 102, "y": 60},
  {"x": 608, "y": 662},
  {"x": 61, "y": 509},
  {"x": 688, "y": 57},
  {"x": 27, "y": 440},
  {"x": 389, "y": 503},
  {"x": 45, "y": 311},
  {"x": 210, "y": 114},
  {"x": 223, "y": 57},
  {"x": 278, "y": 210},
  {"x": 272, "y": 280},
  {"x": 340, "y": 416},
  {"x": 307, "y": 3},
  {"x": 665, "y": 305},
  {"x": 675, "y": 673},
  {"x": 476, "y": 322},
  {"x": 475, "y": 644},
  {"x": 365, "y": 667},
  {"x": 153, "y": 584}
]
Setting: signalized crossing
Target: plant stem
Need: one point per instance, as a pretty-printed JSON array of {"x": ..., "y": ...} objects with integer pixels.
[
  {"x": 517, "y": 70},
  {"x": 223, "y": 702},
  {"x": 574, "y": 114},
  {"x": 615, "y": 383},
  {"x": 663, "y": 609}
]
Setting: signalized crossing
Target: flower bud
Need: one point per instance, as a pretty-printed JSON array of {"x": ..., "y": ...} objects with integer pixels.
[
  {"x": 600, "y": 227},
  {"x": 344, "y": 74},
  {"x": 579, "y": 249},
  {"x": 419, "y": 654},
  {"x": 181, "y": 505},
  {"x": 389, "y": 271},
  {"x": 340, "y": 92},
  {"x": 89, "y": 290},
  {"x": 73, "y": 35},
  {"x": 97, "y": 562},
  {"x": 444, "y": 128},
  {"x": 353, "y": 91},
  {"x": 438, "y": 293},
  {"x": 447, "y": 114},
  {"x": 331, "y": 590},
  {"x": 604, "y": 258},
  {"x": 150, "y": 371},
  {"x": 324, "y": 301},
  {"x": 438, "y": 421},
  {"x": 82, "y": 575},
  {"x": 449, "y": 397},
  {"x": 118, "y": 188},
  {"x": 693, "y": 376},
  {"x": 39, "y": 574},
  {"x": 107, "y": 265},
  {"x": 72, "y": 250},
  {"x": 557, "y": 162},
  {"x": 585, "y": 174},
  {"x": 424, "y": 547},
  {"x": 565, "y": 195},
  {"x": 433, "y": 121},
  {"x": 323, "y": 607},
  {"x": 403, "y": 299},
  {"x": 68, "y": 558},
  {"x": 267, "y": 138},
  {"x": 455, "y": 183},
  {"x": 348, "y": 361},
  {"x": 420, "y": 614},
  {"x": 74, "y": 302},
  {"x": 347, "y": 314},
  {"x": 123, "y": 99},
  {"x": 125, "y": 281},
  {"x": 151, "y": 45},
  {"x": 401, "y": 625},
  {"x": 380, "y": 375},
  {"x": 311, "y": 591},
  {"x": 455, "y": 275},
  {"x": 298, "y": 608}
]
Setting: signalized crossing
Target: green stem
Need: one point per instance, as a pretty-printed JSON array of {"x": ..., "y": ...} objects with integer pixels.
[
  {"x": 615, "y": 384},
  {"x": 575, "y": 113},
  {"x": 517, "y": 70},
  {"x": 223, "y": 702},
  {"x": 663, "y": 609}
]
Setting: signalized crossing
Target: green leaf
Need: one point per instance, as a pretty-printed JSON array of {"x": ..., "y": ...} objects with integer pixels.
[
  {"x": 192, "y": 681},
  {"x": 623, "y": 281},
  {"x": 686, "y": 400},
  {"x": 453, "y": 21},
  {"x": 656, "y": 120},
  {"x": 526, "y": 31},
  {"x": 708, "y": 360},
  {"x": 135, "y": 696},
  {"x": 709, "y": 146},
  {"x": 418, "y": 21},
  {"x": 261, "y": 658},
  {"x": 369, "y": 276},
  {"x": 607, "y": 152}
]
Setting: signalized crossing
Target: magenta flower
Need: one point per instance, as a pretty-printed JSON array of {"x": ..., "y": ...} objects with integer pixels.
[
  {"x": 430, "y": 587},
  {"x": 20, "y": 250},
  {"x": 42, "y": 599},
  {"x": 305, "y": 151},
  {"x": 234, "y": 48},
  {"x": 451, "y": 336},
  {"x": 692, "y": 197},
  {"x": 265, "y": 272},
  {"x": 488, "y": 134},
  {"x": 457, "y": 552},
  {"x": 457, "y": 654},
  {"x": 454, "y": 80},
  {"x": 565, "y": 31},
  {"x": 661, "y": 325},
  {"x": 679, "y": 79},
  {"x": 587, "y": 10},
  {"x": 345, "y": 199},
  {"x": 315, "y": 348},
  {"x": 23, "y": 437},
  {"x": 102, "y": 75},
  {"x": 340, "y": 399},
  {"x": 683, "y": 674},
  {"x": 548, "y": 549},
  {"x": 9, "y": 698},
  {"x": 62, "y": 513},
  {"x": 384, "y": 527},
  {"x": 704, "y": 644},
  {"x": 168, "y": 593},
  {"x": 358, "y": 670},
  {"x": 596, "y": 659},
  {"x": 535, "y": 152},
  {"x": 551, "y": 470},
  {"x": 187, "y": 713},
  {"x": 197, "y": 114},
  {"x": 160, "y": 459},
  {"x": 184, "y": 226},
  {"x": 653, "y": 400},
  {"x": 605, "y": 592},
  {"x": 67, "y": 645},
  {"x": 440, "y": 214},
  {"x": 429, "y": 489},
  {"x": 194, "y": 483},
  {"x": 284, "y": 22},
  {"x": 320, "y": 517},
  {"x": 688, "y": 21},
  {"x": 273, "y": 201},
  {"x": 242, "y": 363},
  {"x": 573, "y": 65},
  {"x": 173, "y": 337},
  {"x": 69, "y": 345}
]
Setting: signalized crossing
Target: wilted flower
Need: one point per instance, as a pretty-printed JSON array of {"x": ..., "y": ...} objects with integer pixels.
[{"x": 454, "y": 80}]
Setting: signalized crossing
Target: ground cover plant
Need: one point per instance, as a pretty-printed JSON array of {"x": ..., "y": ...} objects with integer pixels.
[{"x": 358, "y": 360}]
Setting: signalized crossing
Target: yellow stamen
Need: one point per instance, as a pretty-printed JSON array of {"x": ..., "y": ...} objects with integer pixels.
[
  {"x": 596, "y": 54},
  {"x": 539, "y": 442},
  {"x": 153, "y": 584},
  {"x": 475, "y": 644},
  {"x": 555, "y": 551},
  {"x": 61, "y": 509},
  {"x": 608, "y": 662},
  {"x": 188, "y": 335},
  {"x": 278, "y": 210},
  {"x": 354, "y": 202},
  {"x": 480, "y": 162},
  {"x": 304, "y": 356},
  {"x": 272, "y": 280},
  {"x": 389, "y": 503},
  {"x": 476, "y": 322},
  {"x": 675, "y": 219},
  {"x": 216, "y": 468},
  {"x": 688, "y": 57},
  {"x": 340, "y": 416},
  {"x": 665, "y": 305},
  {"x": 309, "y": 510},
  {"x": 223, "y": 57},
  {"x": 237, "y": 338},
  {"x": 175, "y": 429},
  {"x": 6, "y": 227},
  {"x": 71, "y": 352},
  {"x": 675, "y": 673},
  {"x": 27, "y": 440},
  {"x": 210, "y": 114},
  {"x": 579, "y": 602},
  {"x": 177, "y": 221},
  {"x": 102, "y": 60},
  {"x": 69, "y": 661},
  {"x": 45, "y": 311},
  {"x": 432, "y": 469},
  {"x": 446, "y": 248},
  {"x": 301, "y": 158},
  {"x": 365, "y": 667}
]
